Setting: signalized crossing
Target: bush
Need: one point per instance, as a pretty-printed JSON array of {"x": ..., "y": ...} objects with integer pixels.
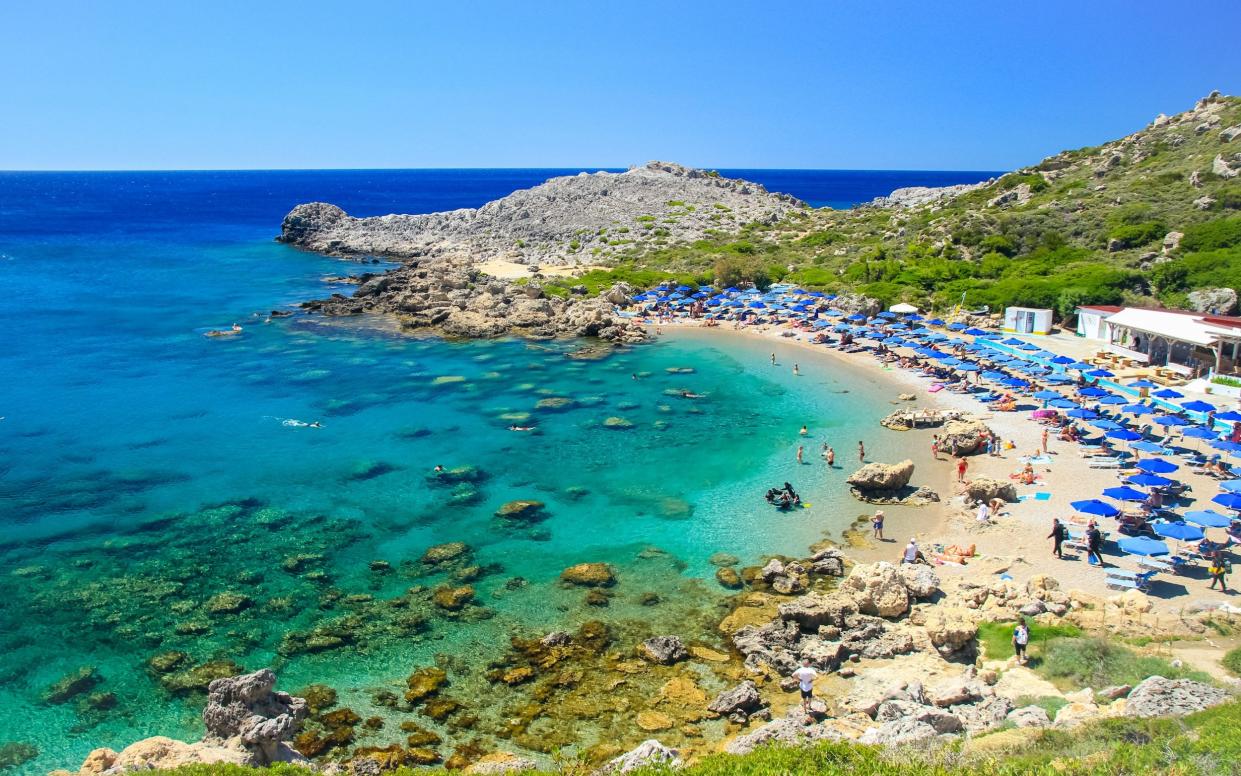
[
  {"x": 1097, "y": 662},
  {"x": 997, "y": 243},
  {"x": 1136, "y": 235},
  {"x": 1212, "y": 235},
  {"x": 819, "y": 239},
  {"x": 1232, "y": 661}
]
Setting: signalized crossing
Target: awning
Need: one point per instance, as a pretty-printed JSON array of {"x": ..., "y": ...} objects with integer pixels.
[{"x": 1169, "y": 325}]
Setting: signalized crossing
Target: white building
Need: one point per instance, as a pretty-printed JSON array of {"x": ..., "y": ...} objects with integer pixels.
[
  {"x": 1187, "y": 342},
  {"x": 1027, "y": 320}
]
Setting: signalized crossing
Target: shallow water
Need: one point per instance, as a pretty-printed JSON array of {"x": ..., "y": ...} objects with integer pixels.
[{"x": 145, "y": 468}]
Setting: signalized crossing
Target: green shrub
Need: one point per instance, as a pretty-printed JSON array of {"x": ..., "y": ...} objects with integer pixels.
[
  {"x": 1137, "y": 235},
  {"x": 1097, "y": 662},
  {"x": 818, "y": 239},
  {"x": 1232, "y": 661},
  {"x": 998, "y": 243},
  {"x": 1212, "y": 235}
]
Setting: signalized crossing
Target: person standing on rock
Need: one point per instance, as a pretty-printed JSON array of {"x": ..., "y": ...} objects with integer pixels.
[
  {"x": 1058, "y": 534},
  {"x": 1021, "y": 638},
  {"x": 805, "y": 677},
  {"x": 876, "y": 523}
]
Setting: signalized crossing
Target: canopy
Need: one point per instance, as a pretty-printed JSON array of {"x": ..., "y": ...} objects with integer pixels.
[
  {"x": 1092, "y": 391},
  {"x": 1179, "y": 531},
  {"x": 1099, "y": 373},
  {"x": 1123, "y": 435},
  {"x": 1228, "y": 501},
  {"x": 1149, "y": 480},
  {"x": 1168, "y": 393},
  {"x": 1198, "y": 406},
  {"x": 1156, "y": 465},
  {"x": 1138, "y": 409},
  {"x": 1125, "y": 493},
  {"x": 1198, "y": 432},
  {"x": 1208, "y": 518},
  {"x": 1094, "y": 506},
  {"x": 1141, "y": 545},
  {"x": 1150, "y": 447},
  {"x": 902, "y": 307},
  {"x": 1171, "y": 420},
  {"x": 1230, "y": 416},
  {"x": 1142, "y": 384}
]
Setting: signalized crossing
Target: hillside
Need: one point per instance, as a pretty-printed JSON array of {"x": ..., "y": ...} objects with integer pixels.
[{"x": 1146, "y": 219}]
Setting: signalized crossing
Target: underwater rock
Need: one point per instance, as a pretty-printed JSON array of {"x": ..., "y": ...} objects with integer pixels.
[
  {"x": 523, "y": 510},
  {"x": 555, "y": 404},
  {"x": 728, "y": 577},
  {"x": 617, "y": 423},
  {"x": 340, "y": 718},
  {"x": 653, "y": 721},
  {"x": 589, "y": 575},
  {"x": 464, "y": 495},
  {"x": 723, "y": 559},
  {"x": 16, "y": 753},
  {"x": 650, "y": 599},
  {"x": 424, "y": 683},
  {"x": 418, "y": 736},
  {"x": 318, "y": 697},
  {"x": 73, "y": 684},
  {"x": 664, "y": 650},
  {"x": 166, "y": 661},
  {"x": 597, "y": 597},
  {"x": 198, "y": 678},
  {"x": 228, "y": 603},
  {"x": 97, "y": 701},
  {"x": 442, "y": 553},
  {"x": 440, "y": 709},
  {"x": 457, "y": 475},
  {"x": 452, "y": 599},
  {"x": 369, "y": 470}
]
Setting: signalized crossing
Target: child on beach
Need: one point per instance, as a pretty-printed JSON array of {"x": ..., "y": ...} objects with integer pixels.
[
  {"x": 876, "y": 524},
  {"x": 935, "y": 446}
]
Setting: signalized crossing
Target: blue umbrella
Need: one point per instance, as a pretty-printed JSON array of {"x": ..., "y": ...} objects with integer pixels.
[
  {"x": 756, "y": 304},
  {"x": 1081, "y": 366},
  {"x": 1062, "y": 360},
  {"x": 1171, "y": 420},
  {"x": 1208, "y": 518},
  {"x": 1112, "y": 399},
  {"x": 967, "y": 367},
  {"x": 1142, "y": 384},
  {"x": 1124, "y": 435},
  {"x": 936, "y": 322},
  {"x": 1011, "y": 341},
  {"x": 974, "y": 331},
  {"x": 1057, "y": 379},
  {"x": 1125, "y": 493},
  {"x": 1168, "y": 393},
  {"x": 1092, "y": 391},
  {"x": 1224, "y": 444},
  {"x": 1138, "y": 409},
  {"x": 1179, "y": 531},
  {"x": 914, "y": 317},
  {"x": 1198, "y": 432},
  {"x": 1149, "y": 480},
  {"x": 1014, "y": 382},
  {"x": 1228, "y": 500},
  {"x": 1081, "y": 414},
  {"x": 1099, "y": 373},
  {"x": 886, "y": 314},
  {"x": 1150, "y": 447},
  {"x": 1062, "y": 404},
  {"x": 1094, "y": 506},
  {"x": 856, "y": 317},
  {"x": 1106, "y": 425},
  {"x": 1027, "y": 346},
  {"x": 1047, "y": 395},
  {"x": 1142, "y": 545},
  {"x": 1156, "y": 466},
  {"x": 1229, "y": 416},
  {"x": 1198, "y": 406},
  {"x": 684, "y": 288},
  {"x": 1231, "y": 486},
  {"x": 954, "y": 326}
]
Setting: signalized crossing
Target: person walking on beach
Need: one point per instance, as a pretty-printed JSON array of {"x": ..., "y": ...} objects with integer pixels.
[
  {"x": 962, "y": 465},
  {"x": 1058, "y": 534},
  {"x": 773, "y": 359},
  {"x": 1094, "y": 541},
  {"x": 1044, "y": 441},
  {"x": 1218, "y": 570},
  {"x": 861, "y": 452},
  {"x": 800, "y": 451},
  {"x": 805, "y": 677},
  {"x": 1021, "y": 638},
  {"x": 935, "y": 447},
  {"x": 876, "y": 524}
]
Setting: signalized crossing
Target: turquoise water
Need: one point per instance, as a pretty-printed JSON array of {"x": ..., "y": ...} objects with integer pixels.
[{"x": 145, "y": 469}]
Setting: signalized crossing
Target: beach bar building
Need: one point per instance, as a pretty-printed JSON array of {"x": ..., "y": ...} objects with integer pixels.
[
  {"x": 1027, "y": 320},
  {"x": 1188, "y": 343}
]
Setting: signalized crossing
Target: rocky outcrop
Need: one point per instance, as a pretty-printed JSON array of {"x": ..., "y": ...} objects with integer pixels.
[
  {"x": 648, "y": 754},
  {"x": 664, "y": 650},
  {"x": 877, "y": 589},
  {"x": 883, "y": 477},
  {"x": 738, "y": 702},
  {"x": 1157, "y": 697},
  {"x": 914, "y": 196},
  {"x": 589, "y": 575},
  {"x": 1213, "y": 301},
  {"x": 963, "y": 437},
  {"x": 986, "y": 489},
  {"x": 557, "y": 222}
]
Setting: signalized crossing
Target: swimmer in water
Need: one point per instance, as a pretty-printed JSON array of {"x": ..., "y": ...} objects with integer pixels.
[
  {"x": 796, "y": 370},
  {"x": 831, "y": 458},
  {"x": 316, "y": 424},
  {"x": 804, "y": 431},
  {"x": 294, "y": 423},
  {"x": 521, "y": 428},
  {"x": 800, "y": 451},
  {"x": 438, "y": 469},
  {"x": 773, "y": 359}
]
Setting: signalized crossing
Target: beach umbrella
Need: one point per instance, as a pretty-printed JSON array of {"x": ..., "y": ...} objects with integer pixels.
[
  {"x": 1125, "y": 493},
  {"x": 1224, "y": 444},
  {"x": 974, "y": 331},
  {"x": 1057, "y": 379},
  {"x": 1123, "y": 435},
  {"x": 1104, "y": 424},
  {"x": 1171, "y": 420},
  {"x": 936, "y": 322},
  {"x": 1047, "y": 395},
  {"x": 1081, "y": 366},
  {"x": 1094, "y": 506},
  {"x": 1228, "y": 500},
  {"x": 1099, "y": 373},
  {"x": 756, "y": 305},
  {"x": 886, "y": 314},
  {"x": 1062, "y": 360},
  {"x": 914, "y": 317},
  {"x": 1198, "y": 406},
  {"x": 1142, "y": 545},
  {"x": 950, "y": 361},
  {"x": 968, "y": 367},
  {"x": 993, "y": 375},
  {"x": 1150, "y": 447},
  {"x": 1179, "y": 531},
  {"x": 1168, "y": 393},
  {"x": 1062, "y": 404},
  {"x": 821, "y": 324},
  {"x": 856, "y": 317},
  {"x": 1149, "y": 480},
  {"x": 1027, "y": 346},
  {"x": 1112, "y": 398},
  {"x": 1231, "y": 486},
  {"x": 1157, "y": 466},
  {"x": 1230, "y": 416},
  {"x": 1011, "y": 341},
  {"x": 684, "y": 288},
  {"x": 1092, "y": 391},
  {"x": 1198, "y": 432},
  {"x": 954, "y": 326},
  {"x": 1081, "y": 413},
  {"x": 1138, "y": 409},
  {"x": 1014, "y": 382},
  {"x": 1208, "y": 518},
  {"x": 1143, "y": 384}
]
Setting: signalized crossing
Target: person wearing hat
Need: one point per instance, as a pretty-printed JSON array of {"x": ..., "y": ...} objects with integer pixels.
[
  {"x": 876, "y": 523},
  {"x": 911, "y": 552}
]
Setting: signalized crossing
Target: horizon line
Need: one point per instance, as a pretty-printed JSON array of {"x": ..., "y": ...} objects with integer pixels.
[{"x": 481, "y": 169}]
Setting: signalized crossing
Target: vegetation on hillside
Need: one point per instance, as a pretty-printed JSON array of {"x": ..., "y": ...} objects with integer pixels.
[
  {"x": 1204, "y": 743},
  {"x": 1081, "y": 227}
]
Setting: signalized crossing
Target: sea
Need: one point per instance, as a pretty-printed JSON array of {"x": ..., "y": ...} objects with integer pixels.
[{"x": 168, "y": 513}]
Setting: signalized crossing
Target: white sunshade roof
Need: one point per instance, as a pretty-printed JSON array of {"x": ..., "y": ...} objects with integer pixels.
[{"x": 1177, "y": 326}]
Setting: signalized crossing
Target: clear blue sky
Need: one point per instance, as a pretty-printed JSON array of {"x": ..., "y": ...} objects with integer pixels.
[{"x": 114, "y": 84}]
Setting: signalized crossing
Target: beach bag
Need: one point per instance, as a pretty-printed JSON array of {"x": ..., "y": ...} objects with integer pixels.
[{"x": 1063, "y": 533}]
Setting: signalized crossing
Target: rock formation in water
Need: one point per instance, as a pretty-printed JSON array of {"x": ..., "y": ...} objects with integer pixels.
[{"x": 561, "y": 221}]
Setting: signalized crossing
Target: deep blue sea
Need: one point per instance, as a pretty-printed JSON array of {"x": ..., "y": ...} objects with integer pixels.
[{"x": 158, "y": 496}]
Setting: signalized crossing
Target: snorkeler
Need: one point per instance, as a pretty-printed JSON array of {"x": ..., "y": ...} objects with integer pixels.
[{"x": 521, "y": 428}]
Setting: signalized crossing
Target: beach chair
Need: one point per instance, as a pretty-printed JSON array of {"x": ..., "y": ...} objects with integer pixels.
[
  {"x": 1120, "y": 583},
  {"x": 1102, "y": 462},
  {"x": 1153, "y": 564}
]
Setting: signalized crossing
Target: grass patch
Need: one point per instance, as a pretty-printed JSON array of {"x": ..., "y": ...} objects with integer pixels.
[
  {"x": 996, "y": 638},
  {"x": 1232, "y": 661},
  {"x": 1100, "y": 663}
]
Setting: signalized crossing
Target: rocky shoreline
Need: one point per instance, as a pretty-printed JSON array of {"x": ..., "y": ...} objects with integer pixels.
[{"x": 897, "y": 647}]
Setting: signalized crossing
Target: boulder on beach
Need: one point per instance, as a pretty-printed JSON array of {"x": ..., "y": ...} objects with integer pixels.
[
  {"x": 878, "y": 589},
  {"x": 986, "y": 489},
  {"x": 882, "y": 476},
  {"x": 963, "y": 437}
]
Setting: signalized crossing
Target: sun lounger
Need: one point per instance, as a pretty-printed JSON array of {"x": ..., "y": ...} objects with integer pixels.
[
  {"x": 1154, "y": 565},
  {"x": 1121, "y": 584},
  {"x": 1103, "y": 463}
]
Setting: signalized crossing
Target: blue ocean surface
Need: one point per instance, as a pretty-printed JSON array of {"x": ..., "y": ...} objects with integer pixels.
[{"x": 166, "y": 515}]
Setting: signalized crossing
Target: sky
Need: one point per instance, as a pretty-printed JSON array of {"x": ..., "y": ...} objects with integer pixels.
[{"x": 267, "y": 84}]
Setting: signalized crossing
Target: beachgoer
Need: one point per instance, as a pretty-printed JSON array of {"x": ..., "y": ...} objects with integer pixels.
[
  {"x": 804, "y": 431},
  {"x": 438, "y": 468},
  {"x": 800, "y": 451},
  {"x": 773, "y": 359},
  {"x": 315, "y": 424},
  {"x": 986, "y": 445},
  {"x": 1218, "y": 570},
  {"x": 911, "y": 552},
  {"x": 1058, "y": 534},
  {"x": 962, "y": 465},
  {"x": 831, "y": 457},
  {"x": 1044, "y": 441},
  {"x": 935, "y": 446},
  {"x": 805, "y": 677},
  {"x": 876, "y": 524},
  {"x": 633, "y": 376},
  {"x": 984, "y": 512},
  {"x": 861, "y": 451},
  {"x": 1094, "y": 541},
  {"x": 1021, "y": 638},
  {"x": 796, "y": 370}
]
